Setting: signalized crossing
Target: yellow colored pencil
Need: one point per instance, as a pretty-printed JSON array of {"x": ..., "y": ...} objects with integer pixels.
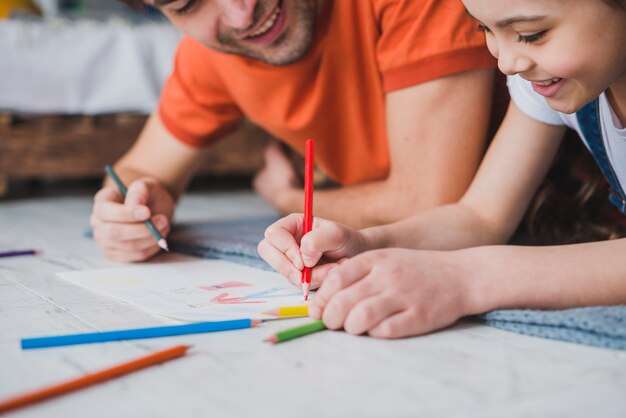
[{"x": 289, "y": 311}]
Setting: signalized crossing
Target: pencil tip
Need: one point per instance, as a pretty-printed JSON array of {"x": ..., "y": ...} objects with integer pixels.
[
  {"x": 305, "y": 290},
  {"x": 163, "y": 244},
  {"x": 255, "y": 322},
  {"x": 271, "y": 339}
]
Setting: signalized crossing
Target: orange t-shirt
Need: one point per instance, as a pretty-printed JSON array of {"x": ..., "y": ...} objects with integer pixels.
[{"x": 335, "y": 93}]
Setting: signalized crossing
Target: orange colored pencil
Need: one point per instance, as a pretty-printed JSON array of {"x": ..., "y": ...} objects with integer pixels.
[
  {"x": 308, "y": 209},
  {"x": 93, "y": 378}
]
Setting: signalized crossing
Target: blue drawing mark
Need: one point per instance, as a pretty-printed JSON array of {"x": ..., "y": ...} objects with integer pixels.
[{"x": 271, "y": 293}]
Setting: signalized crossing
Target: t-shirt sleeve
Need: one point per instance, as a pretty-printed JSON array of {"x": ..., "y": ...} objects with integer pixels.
[
  {"x": 531, "y": 103},
  {"x": 425, "y": 40},
  {"x": 195, "y": 107}
]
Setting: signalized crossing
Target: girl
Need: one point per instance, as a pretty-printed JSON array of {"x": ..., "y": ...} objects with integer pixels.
[{"x": 566, "y": 62}]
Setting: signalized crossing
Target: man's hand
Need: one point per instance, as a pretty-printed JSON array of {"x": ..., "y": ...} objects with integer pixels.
[
  {"x": 118, "y": 223},
  {"x": 277, "y": 181},
  {"x": 328, "y": 244}
]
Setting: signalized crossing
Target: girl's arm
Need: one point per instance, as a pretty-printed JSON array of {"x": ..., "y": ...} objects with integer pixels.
[
  {"x": 553, "y": 277},
  {"x": 489, "y": 212},
  {"x": 517, "y": 160}
]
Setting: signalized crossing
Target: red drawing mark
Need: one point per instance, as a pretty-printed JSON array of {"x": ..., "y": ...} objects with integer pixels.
[
  {"x": 224, "y": 286},
  {"x": 223, "y": 299}
]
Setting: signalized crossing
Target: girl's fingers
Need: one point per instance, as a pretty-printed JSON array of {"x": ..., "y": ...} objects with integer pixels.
[
  {"x": 402, "y": 324},
  {"x": 370, "y": 312},
  {"x": 319, "y": 274},
  {"x": 331, "y": 239},
  {"x": 342, "y": 302},
  {"x": 277, "y": 259},
  {"x": 283, "y": 235},
  {"x": 338, "y": 279}
]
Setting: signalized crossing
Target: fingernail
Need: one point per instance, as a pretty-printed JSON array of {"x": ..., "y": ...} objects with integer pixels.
[
  {"x": 315, "y": 312},
  {"x": 161, "y": 223},
  {"x": 140, "y": 214}
]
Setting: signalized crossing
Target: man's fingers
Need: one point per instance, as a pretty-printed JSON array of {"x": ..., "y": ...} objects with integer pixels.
[
  {"x": 109, "y": 211},
  {"x": 137, "y": 193},
  {"x": 109, "y": 194},
  {"x": 117, "y": 231},
  {"x": 130, "y": 256}
]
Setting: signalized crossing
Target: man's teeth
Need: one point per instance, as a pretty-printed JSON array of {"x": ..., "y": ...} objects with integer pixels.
[
  {"x": 268, "y": 24},
  {"x": 549, "y": 82}
]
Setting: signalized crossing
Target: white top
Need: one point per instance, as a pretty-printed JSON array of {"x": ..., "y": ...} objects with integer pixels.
[{"x": 536, "y": 106}]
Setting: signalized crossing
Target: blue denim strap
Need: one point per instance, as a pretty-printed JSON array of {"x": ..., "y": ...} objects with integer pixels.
[{"x": 589, "y": 121}]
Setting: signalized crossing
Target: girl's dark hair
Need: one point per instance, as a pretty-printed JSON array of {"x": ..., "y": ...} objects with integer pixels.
[
  {"x": 134, "y": 4},
  {"x": 572, "y": 204},
  {"x": 618, "y": 4}
]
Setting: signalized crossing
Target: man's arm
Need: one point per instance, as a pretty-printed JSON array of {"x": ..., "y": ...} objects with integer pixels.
[
  {"x": 436, "y": 132},
  {"x": 156, "y": 170},
  {"x": 158, "y": 154}
]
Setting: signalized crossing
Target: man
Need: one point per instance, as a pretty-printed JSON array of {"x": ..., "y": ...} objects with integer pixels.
[{"x": 396, "y": 95}]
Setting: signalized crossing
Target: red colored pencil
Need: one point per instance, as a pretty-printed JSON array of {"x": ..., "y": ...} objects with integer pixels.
[
  {"x": 308, "y": 209},
  {"x": 93, "y": 378}
]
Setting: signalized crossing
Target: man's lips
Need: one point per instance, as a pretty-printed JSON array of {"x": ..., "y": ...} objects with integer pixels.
[{"x": 266, "y": 24}]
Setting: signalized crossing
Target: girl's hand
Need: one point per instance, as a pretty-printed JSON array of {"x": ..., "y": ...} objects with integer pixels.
[
  {"x": 329, "y": 243},
  {"x": 392, "y": 293}
]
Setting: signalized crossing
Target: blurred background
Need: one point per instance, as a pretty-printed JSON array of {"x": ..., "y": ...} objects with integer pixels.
[{"x": 78, "y": 79}]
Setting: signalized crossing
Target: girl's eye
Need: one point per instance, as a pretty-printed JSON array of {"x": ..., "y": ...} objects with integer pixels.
[
  {"x": 186, "y": 8},
  {"x": 482, "y": 28},
  {"x": 532, "y": 38}
]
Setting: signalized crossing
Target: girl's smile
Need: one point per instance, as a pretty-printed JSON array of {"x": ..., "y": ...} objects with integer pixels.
[
  {"x": 570, "y": 50},
  {"x": 548, "y": 88}
]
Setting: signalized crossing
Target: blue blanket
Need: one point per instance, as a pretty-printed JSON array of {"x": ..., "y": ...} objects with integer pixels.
[{"x": 602, "y": 326}]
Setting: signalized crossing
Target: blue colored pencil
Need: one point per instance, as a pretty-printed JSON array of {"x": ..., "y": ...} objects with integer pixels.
[
  {"x": 155, "y": 232},
  {"x": 137, "y": 333}
]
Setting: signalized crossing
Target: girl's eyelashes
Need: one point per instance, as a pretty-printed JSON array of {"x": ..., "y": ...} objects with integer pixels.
[
  {"x": 186, "y": 8},
  {"x": 532, "y": 38},
  {"x": 520, "y": 38}
]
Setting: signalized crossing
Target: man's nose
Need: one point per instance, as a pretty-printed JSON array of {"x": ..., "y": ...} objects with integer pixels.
[{"x": 236, "y": 14}]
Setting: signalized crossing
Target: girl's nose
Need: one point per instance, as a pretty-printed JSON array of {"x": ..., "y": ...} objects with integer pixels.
[{"x": 511, "y": 62}]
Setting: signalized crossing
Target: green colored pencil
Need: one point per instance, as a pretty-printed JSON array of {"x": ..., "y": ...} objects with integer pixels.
[
  {"x": 155, "y": 232},
  {"x": 295, "y": 332}
]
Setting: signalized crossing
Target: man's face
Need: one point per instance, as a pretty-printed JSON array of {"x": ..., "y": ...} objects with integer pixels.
[{"x": 277, "y": 32}]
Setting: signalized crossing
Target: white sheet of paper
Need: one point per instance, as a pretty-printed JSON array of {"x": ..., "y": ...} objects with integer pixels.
[{"x": 202, "y": 290}]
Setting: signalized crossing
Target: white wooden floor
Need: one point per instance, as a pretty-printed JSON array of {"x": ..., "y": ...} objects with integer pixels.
[{"x": 469, "y": 370}]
